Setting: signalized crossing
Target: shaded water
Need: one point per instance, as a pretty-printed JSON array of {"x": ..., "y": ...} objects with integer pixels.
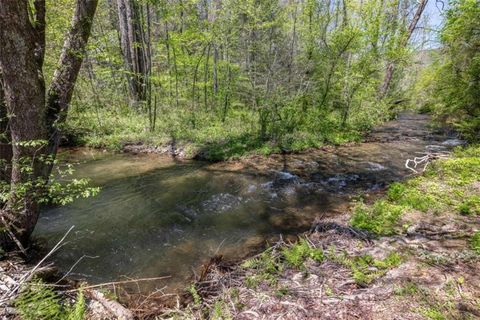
[{"x": 155, "y": 216}]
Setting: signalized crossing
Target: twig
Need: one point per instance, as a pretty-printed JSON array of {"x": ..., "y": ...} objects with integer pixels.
[
  {"x": 118, "y": 282},
  {"x": 73, "y": 266},
  {"x": 8, "y": 295}
]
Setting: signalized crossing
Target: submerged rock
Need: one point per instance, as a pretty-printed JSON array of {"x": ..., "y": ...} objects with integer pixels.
[
  {"x": 221, "y": 202},
  {"x": 453, "y": 142}
]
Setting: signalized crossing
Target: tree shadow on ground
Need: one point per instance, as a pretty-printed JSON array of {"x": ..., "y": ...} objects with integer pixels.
[{"x": 235, "y": 147}]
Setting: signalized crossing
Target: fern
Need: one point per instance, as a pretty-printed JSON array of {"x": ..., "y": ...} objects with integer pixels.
[
  {"x": 37, "y": 301},
  {"x": 77, "y": 311}
]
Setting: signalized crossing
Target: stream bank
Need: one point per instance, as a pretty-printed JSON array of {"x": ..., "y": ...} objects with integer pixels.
[
  {"x": 289, "y": 192},
  {"x": 157, "y": 216},
  {"x": 421, "y": 264}
]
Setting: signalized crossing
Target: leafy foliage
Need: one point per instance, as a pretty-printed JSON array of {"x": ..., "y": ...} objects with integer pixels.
[
  {"x": 475, "y": 242},
  {"x": 381, "y": 218},
  {"x": 365, "y": 268},
  {"x": 452, "y": 83},
  {"x": 236, "y": 77},
  {"x": 60, "y": 189},
  {"x": 39, "y": 301},
  {"x": 298, "y": 253}
]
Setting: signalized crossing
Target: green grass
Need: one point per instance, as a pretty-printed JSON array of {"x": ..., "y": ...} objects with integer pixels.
[
  {"x": 381, "y": 218},
  {"x": 470, "y": 206},
  {"x": 447, "y": 186}
]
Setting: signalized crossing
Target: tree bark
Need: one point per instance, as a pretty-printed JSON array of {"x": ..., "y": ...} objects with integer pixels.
[
  {"x": 33, "y": 119},
  {"x": 65, "y": 76},
  {"x": 25, "y": 101},
  {"x": 5, "y": 146},
  {"x": 133, "y": 50}
]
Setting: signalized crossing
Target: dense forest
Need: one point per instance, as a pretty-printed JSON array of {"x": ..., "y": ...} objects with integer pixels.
[
  {"x": 270, "y": 87},
  {"x": 234, "y": 77}
]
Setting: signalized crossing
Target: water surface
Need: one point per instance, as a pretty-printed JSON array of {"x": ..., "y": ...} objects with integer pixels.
[{"x": 156, "y": 216}]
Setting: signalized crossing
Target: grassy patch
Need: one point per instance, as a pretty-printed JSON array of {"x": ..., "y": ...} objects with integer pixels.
[
  {"x": 267, "y": 267},
  {"x": 470, "y": 206},
  {"x": 380, "y": 218},
  {"x": 447, "y": 186}
]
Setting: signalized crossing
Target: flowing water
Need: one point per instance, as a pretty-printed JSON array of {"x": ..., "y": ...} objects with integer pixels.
[{"x": 156, "y": 216}]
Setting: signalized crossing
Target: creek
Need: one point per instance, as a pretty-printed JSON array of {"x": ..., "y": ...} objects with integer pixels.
[{"x": 156, "y": 216}]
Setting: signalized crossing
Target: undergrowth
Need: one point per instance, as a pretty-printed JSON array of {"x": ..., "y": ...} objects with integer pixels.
[
  {"x": 447, "y": 186},
  {"x": 38, "y": 301},
  {"x": 211, "y": 137},
  {"x": 365, "y": 269},
  {"x": 475, "y": 242}
]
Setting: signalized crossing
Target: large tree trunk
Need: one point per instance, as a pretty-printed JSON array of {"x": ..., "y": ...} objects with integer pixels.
[
  {"x": 25, "y": 101},
  {"x": 391, "y": 64},
  {"x": 32, "y": 119}
]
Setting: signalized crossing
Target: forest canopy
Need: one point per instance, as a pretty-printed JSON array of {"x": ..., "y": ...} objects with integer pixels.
[{"x": 228, "y": 77}]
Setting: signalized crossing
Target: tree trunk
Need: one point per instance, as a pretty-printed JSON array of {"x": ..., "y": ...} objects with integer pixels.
[
  {"x": 33, "y": 119},
  {"x": 391, "y": 64},
  {"x": 5, "y": 146},
  {"x": 64, "y": 78},
  {"x": 133, "y": 49},
  {"x": 25, "y": 101}
]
